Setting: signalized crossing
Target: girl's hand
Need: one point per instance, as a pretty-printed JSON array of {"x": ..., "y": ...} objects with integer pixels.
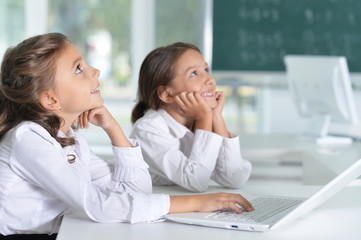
[
  {"x": 101, "y": 117},
  {"x": 209, "y": 203},
  {"x": 193, "y": 105},
  {"x": 97, "y": 116},
  {"x": 221, "y": 99},
  {"x": 218, "y": 124}
]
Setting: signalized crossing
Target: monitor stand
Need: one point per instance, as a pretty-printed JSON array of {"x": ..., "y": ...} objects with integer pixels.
[
  {"x": 334, "y": 140},
  {"x": 318, "y": 130}
]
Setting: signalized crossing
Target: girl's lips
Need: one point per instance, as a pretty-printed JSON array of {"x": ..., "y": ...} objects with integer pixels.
[
  {"x": 95, "y": 90},
  {"x": 208, "y": 93}
]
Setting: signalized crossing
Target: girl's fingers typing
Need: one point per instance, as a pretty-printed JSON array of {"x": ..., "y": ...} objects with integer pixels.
[
  {"x": 218, "y": 201},
  {"x": 236, "y": 208},
  {"x": 237, "y": 200},
  {"x": 245, "y": 203}
]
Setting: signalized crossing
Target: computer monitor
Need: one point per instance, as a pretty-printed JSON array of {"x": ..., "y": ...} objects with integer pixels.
[{"x": 322, "y": 91}]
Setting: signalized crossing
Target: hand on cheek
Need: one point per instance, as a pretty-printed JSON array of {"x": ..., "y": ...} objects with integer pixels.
[
  {"x": 218, "y": 123},
  {"x": 221, "y": 99},
  {"x": 192, "y": 105}
]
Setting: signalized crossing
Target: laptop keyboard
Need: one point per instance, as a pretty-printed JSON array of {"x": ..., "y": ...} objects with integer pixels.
[{"x": 264, "y": 208}]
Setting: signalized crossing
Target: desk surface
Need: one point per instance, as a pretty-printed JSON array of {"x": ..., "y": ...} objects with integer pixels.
[
  {"x": 338, "y": 218},
  {"x": 320, "y": 163},
  {"x": 299, "y": 157}
]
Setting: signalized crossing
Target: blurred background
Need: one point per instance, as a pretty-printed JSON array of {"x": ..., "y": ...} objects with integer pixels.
[{"x": 116, "y": 35}]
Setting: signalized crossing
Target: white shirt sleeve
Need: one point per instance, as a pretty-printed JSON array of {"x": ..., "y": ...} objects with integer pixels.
[
  {"x": 43, "y": 163},
  {"x": 162, "y": 152},
  {"x": 231, "y": 170},
  {"x": 128, "y": 173}
]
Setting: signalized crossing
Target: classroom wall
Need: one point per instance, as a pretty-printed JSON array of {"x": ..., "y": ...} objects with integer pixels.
[
  {"x": 254, "y": 35},
  {"x": 251, "y": 37}
]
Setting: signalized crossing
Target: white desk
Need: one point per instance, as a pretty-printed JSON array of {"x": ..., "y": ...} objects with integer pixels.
[
  {"x": 287, "y": 157},
  {"x": 320, "y": 164},
  {"x": 338, "y": 218}
]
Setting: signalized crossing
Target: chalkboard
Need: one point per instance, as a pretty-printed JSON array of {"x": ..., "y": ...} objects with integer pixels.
[{"x": 254, "y": 35}]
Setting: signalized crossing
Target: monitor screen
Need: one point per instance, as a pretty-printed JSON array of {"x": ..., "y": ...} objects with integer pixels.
[{"x": 322, "y": 90}]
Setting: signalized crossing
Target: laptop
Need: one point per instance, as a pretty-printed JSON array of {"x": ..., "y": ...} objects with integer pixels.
[{"x": 278, "y": 211}]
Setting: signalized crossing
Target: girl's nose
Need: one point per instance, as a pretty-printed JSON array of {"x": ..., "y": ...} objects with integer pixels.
[
  {"x": 210, "y": 80},
  {"x": 96, "y": 72}
]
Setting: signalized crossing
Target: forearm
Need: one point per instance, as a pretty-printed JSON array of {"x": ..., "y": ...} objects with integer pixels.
[
  {"x": 219, "y": 126},
  {"x": 231, "y": 170},
  {"x": 204, "y": 124},
  {"x": 194, "y": 181},
  {"x": 117, "y": 135},
  {"x": 183, "y": 204},
  {"x": 128, "y": 170},
  {"x": 208, "y": 203},
  {"x": 235, "y": 179}
]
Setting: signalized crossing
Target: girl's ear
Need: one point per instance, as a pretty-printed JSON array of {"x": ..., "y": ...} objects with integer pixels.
[
  {"x": 49, "y": 101},
  {"x": 165, "y": 94}
]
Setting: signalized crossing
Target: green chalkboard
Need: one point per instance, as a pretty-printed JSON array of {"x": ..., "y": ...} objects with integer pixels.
[{"x": 254, "y": 35}]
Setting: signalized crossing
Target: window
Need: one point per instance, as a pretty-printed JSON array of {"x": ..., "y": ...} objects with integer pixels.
[
  {"x": 101, "y": 29},
  {"x": 12, "y": 23},
  {"x": 179, "y": 21},
  {"x": 186, "y": 21}
]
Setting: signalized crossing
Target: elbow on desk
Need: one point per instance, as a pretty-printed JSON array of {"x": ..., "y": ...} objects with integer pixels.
[
  {"x": 195, "y": 189},
  {"x": 233, "y": 185},
  {"x": 236, "y": 181},
  {"x": 241, "y": 177},
  {"x": 195, "y": 185}
]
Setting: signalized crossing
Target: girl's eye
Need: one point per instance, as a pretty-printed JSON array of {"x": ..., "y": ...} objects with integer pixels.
[
  {"x": 193, "y": 74},
  {"x": 78, "y": 69},
  {"x": 206, "y": 70}
]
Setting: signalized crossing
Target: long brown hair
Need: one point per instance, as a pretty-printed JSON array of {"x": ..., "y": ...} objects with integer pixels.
[
  {"x": 27, "y": 70},
  {"x": 157, "y": 70}
]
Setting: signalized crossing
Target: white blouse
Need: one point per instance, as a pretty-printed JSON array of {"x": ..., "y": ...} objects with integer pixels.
[
  {"x": 178, "y": 156},
  {"x": 38, "y": 185}
]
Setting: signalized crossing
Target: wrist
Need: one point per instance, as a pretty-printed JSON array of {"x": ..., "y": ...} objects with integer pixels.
[
  {"x": 188, "y": 203},
  {"x": 219, "y": 126},
  {"x": 111, "y": 125},
  {"x": 205, "y": 124},
  {"x": 216, "y": 116},
  {"x": 117, "y": 136}
]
